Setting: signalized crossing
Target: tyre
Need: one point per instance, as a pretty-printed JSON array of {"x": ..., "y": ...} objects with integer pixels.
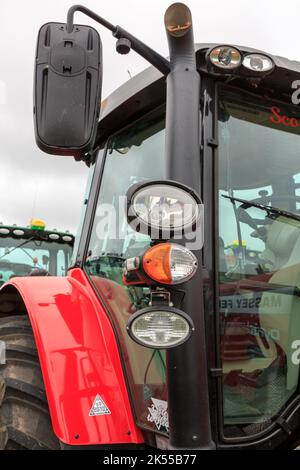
[{"x": 24, "y": 415}]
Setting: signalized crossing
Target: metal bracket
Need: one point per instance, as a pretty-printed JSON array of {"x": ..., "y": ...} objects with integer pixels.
[
  {"x": 160, "y": 297},
  {"x": 284, "y": 425},
  {"x": 212, "y": 143}
]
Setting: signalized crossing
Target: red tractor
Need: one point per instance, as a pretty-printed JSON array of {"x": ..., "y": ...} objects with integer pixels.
[{"x": 178, "y": 323}]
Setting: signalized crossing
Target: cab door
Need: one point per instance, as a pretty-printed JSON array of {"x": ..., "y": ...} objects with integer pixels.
[{"x": 258, "y": 278}]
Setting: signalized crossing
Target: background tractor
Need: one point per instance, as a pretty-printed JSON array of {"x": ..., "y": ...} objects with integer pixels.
[{"x": 33, "y": 250}]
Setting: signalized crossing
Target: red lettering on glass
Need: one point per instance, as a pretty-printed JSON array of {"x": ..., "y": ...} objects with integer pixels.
[
  {"x": 275, "y": 111},
  {"x": 277, "y": 118}
]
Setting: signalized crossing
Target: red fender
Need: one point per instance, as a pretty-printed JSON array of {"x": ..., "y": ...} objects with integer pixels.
[{"x": 79, "y": 359}]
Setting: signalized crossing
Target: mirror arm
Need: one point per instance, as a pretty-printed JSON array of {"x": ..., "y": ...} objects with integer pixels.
[{"x": 155, "y": 59}]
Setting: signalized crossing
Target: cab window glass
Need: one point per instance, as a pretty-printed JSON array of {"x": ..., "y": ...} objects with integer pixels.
[
  {"x": 135, "y": 154},
  {"x": 61, "y": 263},
  {"x": 259, "y": 259}
]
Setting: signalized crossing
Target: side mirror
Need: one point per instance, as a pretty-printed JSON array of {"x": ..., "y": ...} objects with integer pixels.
[{"x": 67, "y": 89}]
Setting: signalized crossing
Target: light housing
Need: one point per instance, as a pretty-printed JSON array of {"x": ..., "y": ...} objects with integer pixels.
[
  {"x": 164, "y": 263},
  {"x": 258, "y": 63},
  {"x": 160, "y": 327},
  {"x": 67, "y": 238},
  {"x": 18, "y": 232},
  {"x": 225, "y": 58},
  {"x": 169, "y": 263},
  {"x": 162, "y": 209},
  {"x": 54, "y": 236}
]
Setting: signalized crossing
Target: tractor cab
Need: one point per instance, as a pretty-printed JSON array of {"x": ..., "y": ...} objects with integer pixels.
[
  {"x": 33, "y": 251},
  {"x": 250, "y": 180}
]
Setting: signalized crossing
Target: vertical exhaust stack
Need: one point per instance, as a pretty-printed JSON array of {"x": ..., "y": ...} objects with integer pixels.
[
  {"x": 188, "y": 402},
  {"x": 183, "y": 95}
]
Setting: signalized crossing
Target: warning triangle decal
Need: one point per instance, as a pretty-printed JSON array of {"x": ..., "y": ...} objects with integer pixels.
[{"x": 99, "y": 407}]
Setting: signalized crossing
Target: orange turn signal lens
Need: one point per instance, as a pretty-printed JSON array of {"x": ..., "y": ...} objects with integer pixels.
[
  {"x": 169, "y": 263},
  {"x": 156, "y": 263}
]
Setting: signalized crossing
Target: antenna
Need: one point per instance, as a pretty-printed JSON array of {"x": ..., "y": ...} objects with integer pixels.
[{"x": 35, "y": 198}]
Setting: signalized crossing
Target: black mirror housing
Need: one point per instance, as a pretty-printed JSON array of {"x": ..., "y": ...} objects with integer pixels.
[{"x": 67, "y": 89}]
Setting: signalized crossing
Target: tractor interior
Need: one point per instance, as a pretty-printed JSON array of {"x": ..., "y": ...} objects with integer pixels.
[
  {"x": 259, "y": 253},
  {"x": 25, "y": 252}
]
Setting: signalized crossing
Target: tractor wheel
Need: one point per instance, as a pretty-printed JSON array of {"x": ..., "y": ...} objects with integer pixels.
[{"x": 24, "y": 415}]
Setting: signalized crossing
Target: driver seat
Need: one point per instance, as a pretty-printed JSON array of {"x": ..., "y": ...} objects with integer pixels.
[{"x": 281, "y": 240}]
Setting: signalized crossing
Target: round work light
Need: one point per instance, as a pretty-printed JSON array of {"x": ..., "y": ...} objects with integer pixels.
[
  {"x": 67, "y": 238},
  {"x": 258, "y": 63},
  {"x": 163, "y": 207},
  {"x": 54, "y": 236},
  {"x": 160, "y": 328},
  {"x": 18, "y": 232},
  {"x": 225, "y": 57}
]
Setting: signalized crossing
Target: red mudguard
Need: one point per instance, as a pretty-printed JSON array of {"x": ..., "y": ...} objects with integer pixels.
[{"x": 79, "y": 359}]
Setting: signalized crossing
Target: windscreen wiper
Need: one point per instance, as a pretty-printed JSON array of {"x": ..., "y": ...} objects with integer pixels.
[
  {"x": 268, "y": 209},
  {"x": 16, "y": 247}
]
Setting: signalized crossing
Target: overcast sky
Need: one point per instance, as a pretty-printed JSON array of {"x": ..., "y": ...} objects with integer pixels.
[{"x": 33, "y": 184}]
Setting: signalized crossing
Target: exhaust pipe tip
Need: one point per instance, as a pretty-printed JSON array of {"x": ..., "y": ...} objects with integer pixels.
[{"x": 178, "y": 19}]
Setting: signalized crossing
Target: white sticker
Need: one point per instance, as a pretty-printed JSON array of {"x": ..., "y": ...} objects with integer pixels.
[
  {"x": 99, "y": 407},
  {"x": 158, "y": 413}
]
